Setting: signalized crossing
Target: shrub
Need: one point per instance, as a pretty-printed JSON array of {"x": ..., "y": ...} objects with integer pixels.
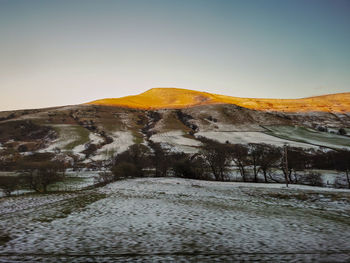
[
  {"x": 313, "y": 178},
  {"x": 22, "y": 148},
  {"x": 182, "y": 168},
  {"x": 322, "y": 129},
  {"x": 342, "y": 131},
  {"x": 138, "y": 155},
  {"x": 124, "y": 169},
  {"x": 187, "y": 167},
  {"x": 8, "y": 184},
  {"x": 104, "y": 178},
  {"x": 90, "y": 149}
]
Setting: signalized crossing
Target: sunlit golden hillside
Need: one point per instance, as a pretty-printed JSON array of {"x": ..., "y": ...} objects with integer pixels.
[{"x": 170, "y": 98}]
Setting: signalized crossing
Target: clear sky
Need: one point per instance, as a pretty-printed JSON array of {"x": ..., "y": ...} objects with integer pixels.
[{"x": 69, "y": 52}]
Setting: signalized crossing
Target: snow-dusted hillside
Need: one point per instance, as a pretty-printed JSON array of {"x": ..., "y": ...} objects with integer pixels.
[{"x": 93, "y": 134}]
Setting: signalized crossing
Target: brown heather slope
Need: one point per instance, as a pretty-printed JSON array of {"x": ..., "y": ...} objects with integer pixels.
[{"x": 173, "y": 98}]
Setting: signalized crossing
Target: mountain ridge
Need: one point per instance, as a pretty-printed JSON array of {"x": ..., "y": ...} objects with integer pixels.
[{"x": 173, "y": 98}]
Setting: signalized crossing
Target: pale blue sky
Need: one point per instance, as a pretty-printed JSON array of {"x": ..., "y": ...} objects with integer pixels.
[{"x": 70, "y": 52}]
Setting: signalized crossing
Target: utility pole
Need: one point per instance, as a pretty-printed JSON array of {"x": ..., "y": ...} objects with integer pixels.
[{"x": 285, "y": 163}]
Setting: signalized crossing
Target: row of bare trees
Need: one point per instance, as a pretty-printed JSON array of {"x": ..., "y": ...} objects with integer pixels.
[
  {"x": 219, "y": 157},
  {"x": 263, "y": 158},
  {"x": 214, "y": 161}
]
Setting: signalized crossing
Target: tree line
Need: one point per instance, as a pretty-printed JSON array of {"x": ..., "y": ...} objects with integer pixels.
[
  {"x": 214, "y": 161},
  {"x": 34, "y": 175}
]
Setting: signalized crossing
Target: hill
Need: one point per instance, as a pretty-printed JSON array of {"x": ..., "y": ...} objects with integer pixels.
[
  {"x": 91, "y": 134},
  {"x": 174, "y": 98}
]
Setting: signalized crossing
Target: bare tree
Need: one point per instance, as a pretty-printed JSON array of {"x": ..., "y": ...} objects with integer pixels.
[
  {"x": 138, "y": 155},
  {"x": 264, "y": 157},
  {"x": 161, "y": 159},
  {"x": 123, "y": 170},
  {"x": 342, "y": 163},
  {"x": 296, "y": 162},
  {"x": 285, "y": 168},
  {"x": 191, "y": 167},
  {"x": 255, "y": 152},
  {"x": 240, "y": 157},
  {"x": 293, "y": 160},
  {"x": 40, "y": 175},
  {"x": 217, "y": 156}
]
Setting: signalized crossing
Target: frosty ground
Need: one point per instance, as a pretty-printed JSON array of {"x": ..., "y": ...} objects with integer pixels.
[{"x": 172, "y": 219}]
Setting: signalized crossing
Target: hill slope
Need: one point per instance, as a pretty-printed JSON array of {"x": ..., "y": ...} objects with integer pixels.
[
  {"x": 170, "y": 98},
  {"x": 94, "y": 133}
]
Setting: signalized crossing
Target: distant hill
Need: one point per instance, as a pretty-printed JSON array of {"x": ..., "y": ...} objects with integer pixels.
[
  {"x": 170, "y": 98},
  {"x": 92, "y": 134}
]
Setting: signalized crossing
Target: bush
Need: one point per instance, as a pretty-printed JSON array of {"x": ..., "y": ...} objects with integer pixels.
[
  {"x": 340, "y": 182},
  {"x": 342, "y": 131},
  {"x": 104, "y": 178},
  {"x": 22, "y": 148},
  {"x": 161, "y": 159},
  {"x": 8, "y": 184},
  {"x": 217, "y": 157},
  {"x": 322, "y": 129},
  {"x": 183, "y": 168},
  {"x": 90, "y": 149},
  {"x": 313, "y": 178},
  {"x": 191, "y": 168},
  {"x": 138, "y": 155},
  {"x": 124, "y": 169}
]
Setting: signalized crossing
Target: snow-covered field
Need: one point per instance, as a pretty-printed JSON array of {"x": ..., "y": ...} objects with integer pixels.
[
  {"x": 74, "y": 135},
  {"x": 249, "y": 137},
  {"x": 176, "y": 141},
  {"x": 310, "y": 136},
  {"x": 122, "y": 140},
  {"x": 178, "y": 220},
  {"x": 67, "y": 135},
  {"x": 75, "y": 180},
  {"x": 94, "y": 138}
]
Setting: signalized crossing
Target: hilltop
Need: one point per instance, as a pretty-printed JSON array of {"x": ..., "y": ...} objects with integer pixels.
[{"x": 174, "y": 98}]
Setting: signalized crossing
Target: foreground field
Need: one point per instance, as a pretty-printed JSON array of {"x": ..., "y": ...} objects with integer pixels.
[{"x": 168, "y": 219}]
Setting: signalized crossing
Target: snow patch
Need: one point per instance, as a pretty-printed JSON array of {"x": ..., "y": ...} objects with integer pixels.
[
  {"x": 95, "y": 138},
  {"x": 67, "y": 135},
  {"x": 250, "y": 137},
  {"x": 311, "y": 136},
  {"x": 122, "y": 140},
  {"x": 176, "y": 141}
]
